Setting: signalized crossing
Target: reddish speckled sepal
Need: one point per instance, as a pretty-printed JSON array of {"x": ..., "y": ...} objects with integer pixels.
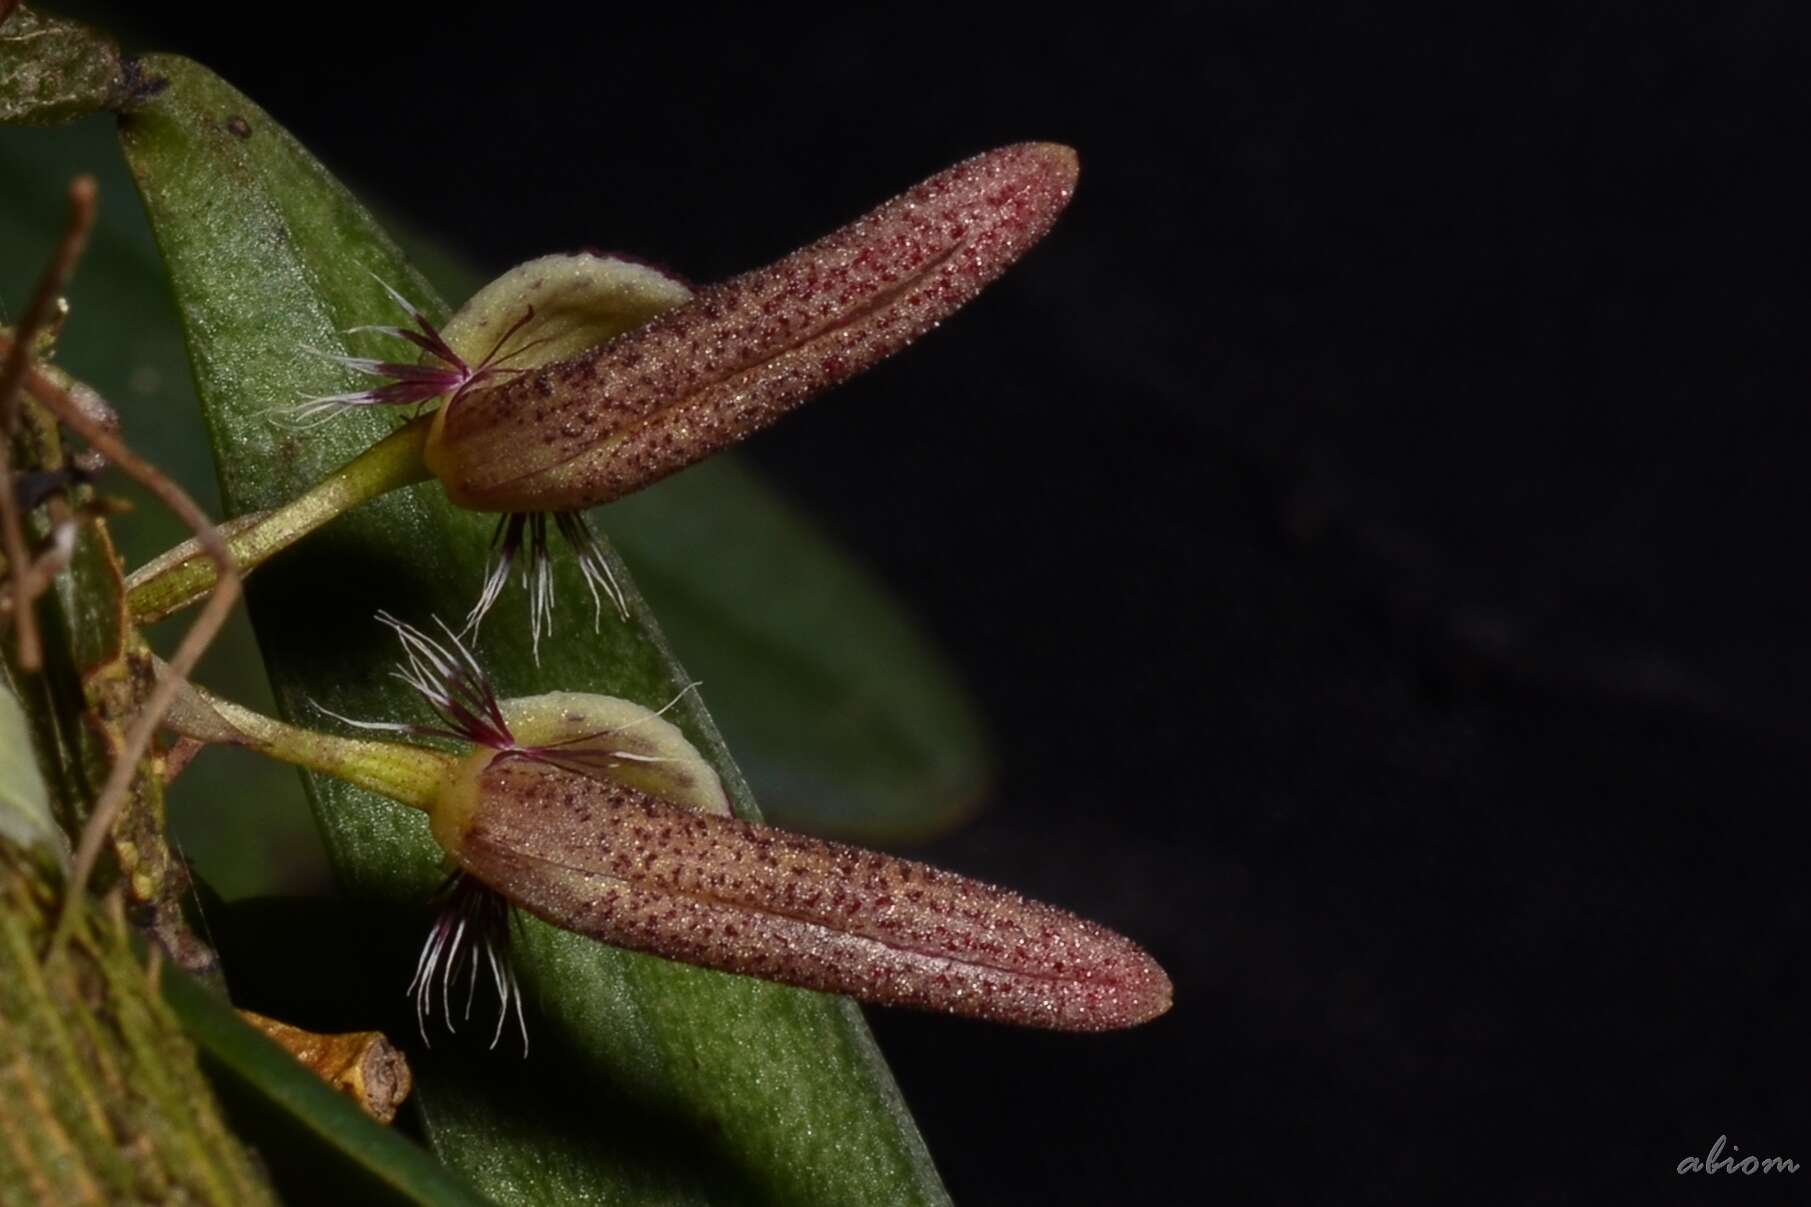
[
  {"x": 606, "y": 860},
  {"x": 594, "y": 427}
]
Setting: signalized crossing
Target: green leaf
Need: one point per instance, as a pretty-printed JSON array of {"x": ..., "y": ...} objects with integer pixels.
[
  {"x": 266, "y": 1071},
  {"x": 55, "y": 71},
  {"x": 844, "y": 715},
  {"x": 25, "y": 819},
  {"x": 648, "y": 1081}
]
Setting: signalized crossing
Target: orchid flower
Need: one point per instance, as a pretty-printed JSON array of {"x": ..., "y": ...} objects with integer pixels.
[
  {"x": 573, "y": 380},
  {"x": 597, "y": 815}
]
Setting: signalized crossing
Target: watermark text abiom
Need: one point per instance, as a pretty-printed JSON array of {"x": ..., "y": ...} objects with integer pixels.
[{"x": 1716, "y": 1162}]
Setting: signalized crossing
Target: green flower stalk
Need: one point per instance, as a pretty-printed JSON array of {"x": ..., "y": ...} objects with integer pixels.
[
  {"x": 574, "y": 380},
  {"x": 596, "y": 814}
]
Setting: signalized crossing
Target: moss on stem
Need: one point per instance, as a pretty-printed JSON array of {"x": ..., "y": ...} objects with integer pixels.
[{"x": 101, "y": 1100}]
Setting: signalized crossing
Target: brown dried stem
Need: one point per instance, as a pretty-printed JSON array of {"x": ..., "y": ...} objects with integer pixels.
[
  {"x": 82, "y": 420},
  {"x": 37, "y": 316},
  {"x": 194, "y": 642}
]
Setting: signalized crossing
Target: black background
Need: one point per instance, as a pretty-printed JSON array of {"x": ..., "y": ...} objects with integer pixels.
[{"x": 1373, "y": 522}]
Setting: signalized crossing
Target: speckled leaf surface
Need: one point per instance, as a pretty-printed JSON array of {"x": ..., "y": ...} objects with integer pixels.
[
  {"x": 647, "y": 1081},
  {"x": 53, "y": 70}
]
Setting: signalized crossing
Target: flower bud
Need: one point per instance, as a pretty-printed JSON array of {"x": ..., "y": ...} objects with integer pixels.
[
  {"x": 590, "y": 428},
  {"x": 614, "y": 847}
]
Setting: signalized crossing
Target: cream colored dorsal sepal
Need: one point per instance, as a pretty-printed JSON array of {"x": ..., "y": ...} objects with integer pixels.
[
  {"x": 578, "y": 301},
  {"x": 626, "y": 742}
]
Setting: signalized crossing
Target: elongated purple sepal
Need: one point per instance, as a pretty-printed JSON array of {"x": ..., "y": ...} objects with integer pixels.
[
  {"x": 585, "y": 430},
  {"x": 607, "y": 860}
]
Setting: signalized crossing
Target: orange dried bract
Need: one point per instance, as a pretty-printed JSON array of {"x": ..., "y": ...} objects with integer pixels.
[{"x": 363, "y": 1065}]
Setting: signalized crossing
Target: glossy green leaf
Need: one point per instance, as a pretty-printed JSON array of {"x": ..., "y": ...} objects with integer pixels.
[
  {"x": 264, "y": 1070},
  {"x": 648, "y": 1081}
]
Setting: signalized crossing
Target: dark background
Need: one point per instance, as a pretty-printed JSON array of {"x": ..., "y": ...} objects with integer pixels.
[{"x": 1373, "y": 523}]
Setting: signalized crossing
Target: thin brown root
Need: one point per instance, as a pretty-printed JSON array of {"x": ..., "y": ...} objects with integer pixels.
[
  {"x": 84, "y": 422},
  {"x": 17, "y": 366},
  {"x": 226, "y": 591}
]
